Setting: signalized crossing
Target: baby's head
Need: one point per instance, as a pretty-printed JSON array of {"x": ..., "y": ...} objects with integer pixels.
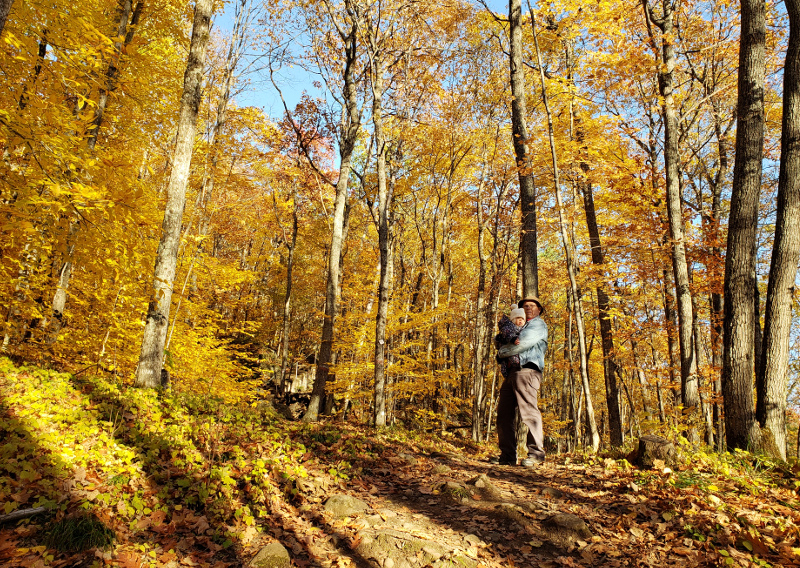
[{"x": 517, "y": 317}]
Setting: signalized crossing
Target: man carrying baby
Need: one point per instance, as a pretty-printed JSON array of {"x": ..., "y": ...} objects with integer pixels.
[{"x": 521, "y": 389}]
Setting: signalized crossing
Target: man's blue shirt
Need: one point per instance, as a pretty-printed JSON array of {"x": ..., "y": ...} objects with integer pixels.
[{"x": 532, "y": 344}]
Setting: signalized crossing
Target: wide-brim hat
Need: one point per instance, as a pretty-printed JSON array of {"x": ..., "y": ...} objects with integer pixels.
[{"x": 531, "y": 299}]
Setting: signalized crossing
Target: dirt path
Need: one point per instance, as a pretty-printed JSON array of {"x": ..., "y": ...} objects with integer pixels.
[{"x": 443, "y": 509}]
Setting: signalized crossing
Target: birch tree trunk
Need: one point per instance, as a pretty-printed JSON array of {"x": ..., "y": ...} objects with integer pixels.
[
  {"x": 774, "y": 369},
  {"x": 519, "y": 131},
  {"x": 738, "y": 350},
  {"x": 151, "y": 357}
]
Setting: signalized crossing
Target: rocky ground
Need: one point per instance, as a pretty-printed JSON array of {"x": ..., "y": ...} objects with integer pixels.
[{"x": 447, "y": 510}]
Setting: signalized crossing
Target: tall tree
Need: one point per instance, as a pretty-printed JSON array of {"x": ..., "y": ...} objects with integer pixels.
[
  {"x": 771, "y": 381},
  {"x": 740, "y": 259},
  {"x": 151, "y": 357},
  {"x": 350, "y": 125},
  {"x": 376, "y": 48},
  {"x": 572, "y": 267},
  {"x": 520, "y": 138},
  {"x": 126, "y": 28},
  {"x": 677, "y": 232}
]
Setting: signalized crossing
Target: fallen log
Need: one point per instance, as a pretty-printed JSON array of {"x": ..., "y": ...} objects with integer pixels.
[{"x": 22, "y": 514}]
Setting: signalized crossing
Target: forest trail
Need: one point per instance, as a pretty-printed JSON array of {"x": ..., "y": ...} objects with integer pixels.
[
  {"x": 178, "y": 480},
  {"x": 453, "y": 510}
]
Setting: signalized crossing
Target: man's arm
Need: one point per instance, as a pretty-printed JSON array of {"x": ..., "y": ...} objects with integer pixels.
[{"x": 531, "y": 334}]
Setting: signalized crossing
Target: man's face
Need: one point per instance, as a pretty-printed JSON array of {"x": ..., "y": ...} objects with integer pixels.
[{"x": 531, "y": 310}]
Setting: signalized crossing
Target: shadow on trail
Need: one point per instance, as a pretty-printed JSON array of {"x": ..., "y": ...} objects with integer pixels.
[{"x": 391, "y": 483}]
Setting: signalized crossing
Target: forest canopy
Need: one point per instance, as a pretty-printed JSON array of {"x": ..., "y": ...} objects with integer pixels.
[{"x": 452, "y": 158}]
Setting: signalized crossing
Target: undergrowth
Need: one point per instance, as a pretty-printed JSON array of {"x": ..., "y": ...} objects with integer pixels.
[{"x": 129, "y": 469}]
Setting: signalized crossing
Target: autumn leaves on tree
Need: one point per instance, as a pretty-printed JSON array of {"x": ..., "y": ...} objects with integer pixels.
[{"x": 361, "y": 244}]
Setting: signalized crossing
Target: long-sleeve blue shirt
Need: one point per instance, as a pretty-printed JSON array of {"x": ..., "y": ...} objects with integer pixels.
[{"x": 532, "y": 344}]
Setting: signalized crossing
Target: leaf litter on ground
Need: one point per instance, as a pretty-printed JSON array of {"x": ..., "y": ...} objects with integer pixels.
[{"x": 186, "y": 480}]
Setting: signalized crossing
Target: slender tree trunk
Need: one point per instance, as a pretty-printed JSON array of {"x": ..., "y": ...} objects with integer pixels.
[
  {"x": 689, "y": 390},
  {"x": 642, "y": 377},
  {"x": 37, "y": 69},
  {"x": 740, "y": 260},
  {"x": 125, "y": 33},
  {"x": 774, "y": 369},
  {"x": 122, "y": 38},
  {"x": 715, "y": 265},
  {"x": 568, "y": 251},
  {"x": 287, "y": 304},
  {"x": 384, "y": 200},
  {"x": 351, "y": 123},
  {"x": 519, "y": 131},
  {"x": 603, "y": 306},
  {"x": 481, "y": 335},
  {"x": 148, "y": 373}
]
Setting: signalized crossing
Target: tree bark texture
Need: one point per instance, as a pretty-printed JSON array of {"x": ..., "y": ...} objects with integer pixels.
[
  {"x": 5, "y": 9},
  {"x": 689, "y": 389},
  {"x": 351, "y": 123},
  {"x": 567, "y": 243},
  {"x": 151, "y": 357},
  {"x": 740, "y": 260},
  {"x": 384, "y": 214},
  {"x": 519, "y": 132},
  {"x": 774, "y": 368}
]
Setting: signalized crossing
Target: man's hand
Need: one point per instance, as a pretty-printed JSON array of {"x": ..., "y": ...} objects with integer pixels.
[{"x": 516, "y": 341}]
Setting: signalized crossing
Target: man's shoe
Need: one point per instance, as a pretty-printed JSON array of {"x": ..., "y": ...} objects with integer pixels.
[
  {"x": 500, "y": 460},
  {"x": 531, "y": 462}
]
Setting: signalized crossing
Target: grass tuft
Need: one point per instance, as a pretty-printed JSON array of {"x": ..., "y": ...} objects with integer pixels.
[{"x": 78, "y": 533}]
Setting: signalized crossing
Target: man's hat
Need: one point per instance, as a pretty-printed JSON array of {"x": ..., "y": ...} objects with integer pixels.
[{"x": 532, "y": 299}]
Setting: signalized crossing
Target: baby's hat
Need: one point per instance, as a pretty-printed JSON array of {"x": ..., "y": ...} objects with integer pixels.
[{"x": 517, "y": 313}]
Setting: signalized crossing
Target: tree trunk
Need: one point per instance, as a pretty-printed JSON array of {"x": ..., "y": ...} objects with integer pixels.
[
  {"x": 774, "y": 368},
  {"x": 122, "y": 38},
  {"x": 606, "y": 333},
  {"x": 481, "y": 335},
  {"x": 5, "y": 9},
  {"x": 148, "y": 373},
  {"x": 568, "y": 250},
  {"x": 384, "y": 200},
  {"x": 125, "y": 33},
  {"x": 287, "y": 304},
  {"x": 520, "y": 138},
  {"x": 351, "y": 123},
  {"x": 689, "y": 390},
  {"x": 740, "y": 260}
]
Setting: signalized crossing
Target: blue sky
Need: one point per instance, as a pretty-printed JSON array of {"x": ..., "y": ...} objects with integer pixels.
[{"x": 293, "y": 82}]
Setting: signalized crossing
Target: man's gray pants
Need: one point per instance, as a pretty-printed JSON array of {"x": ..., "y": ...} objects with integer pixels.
[{"x": 520, "y": 389}]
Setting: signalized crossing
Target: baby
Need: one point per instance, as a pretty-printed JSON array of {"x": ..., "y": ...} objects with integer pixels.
[{"x": 509, "y": 327}]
